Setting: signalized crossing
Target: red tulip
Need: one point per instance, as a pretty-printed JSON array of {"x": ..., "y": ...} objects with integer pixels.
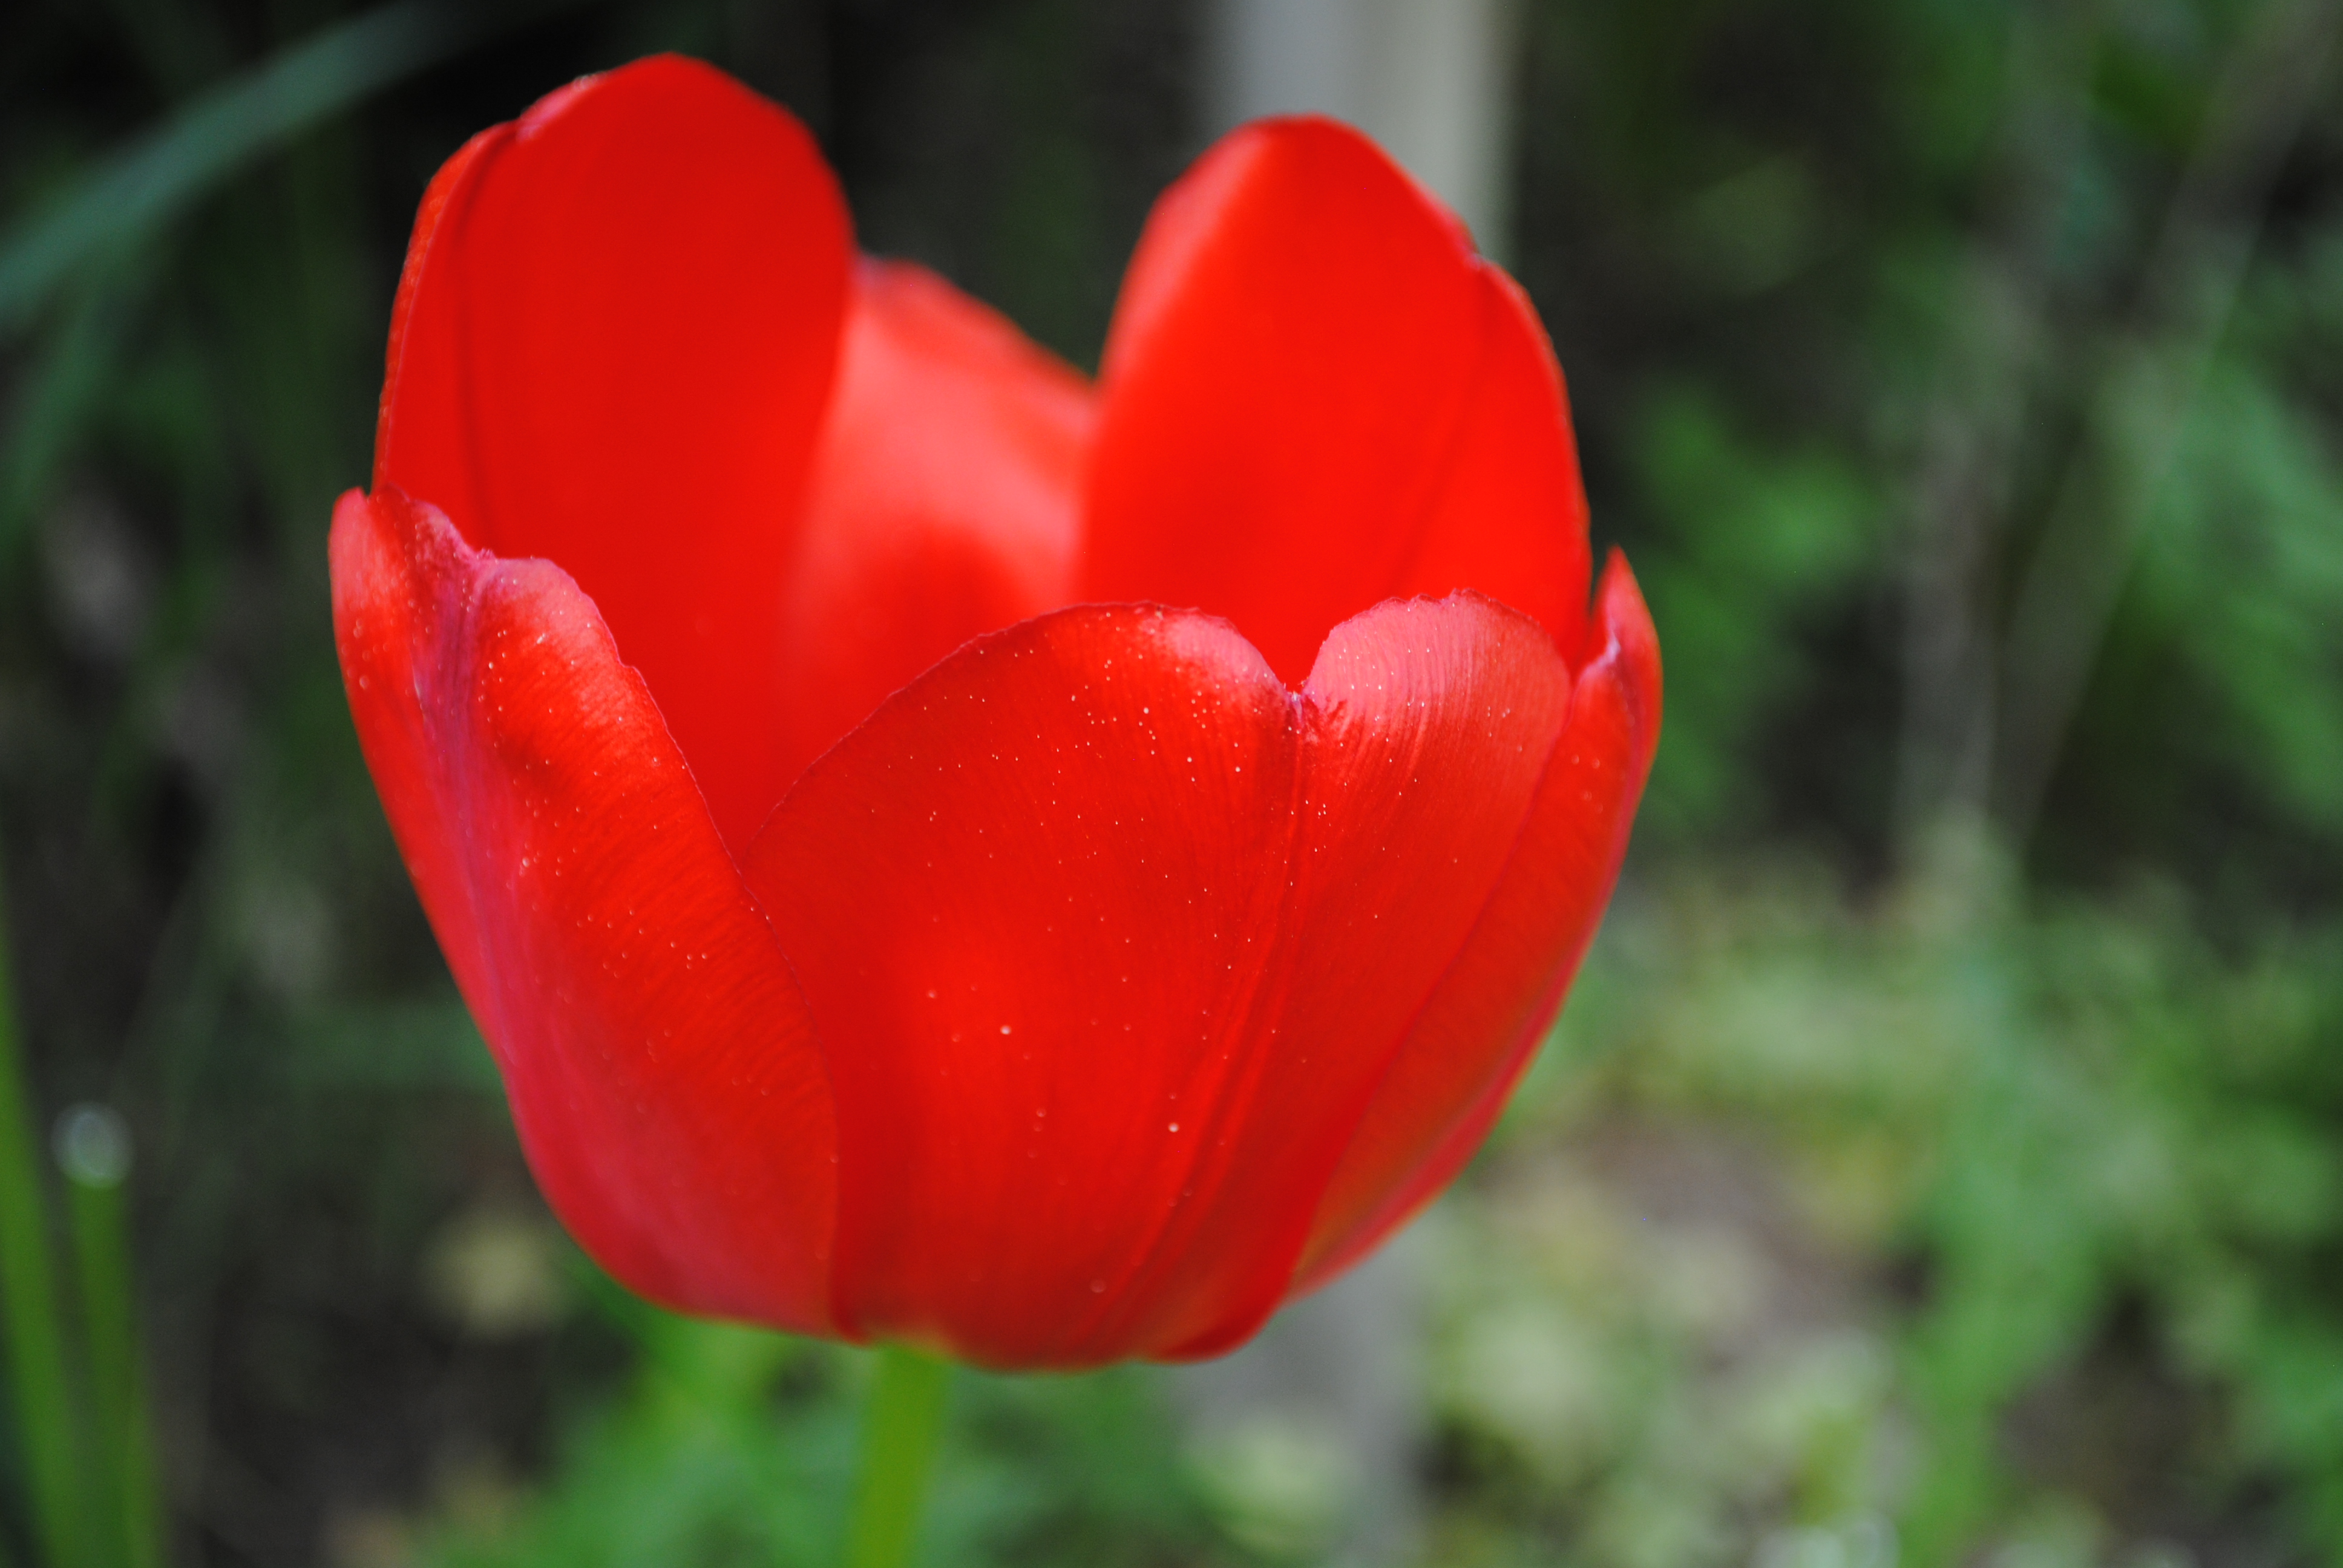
[{"x": 942, "y": 852}]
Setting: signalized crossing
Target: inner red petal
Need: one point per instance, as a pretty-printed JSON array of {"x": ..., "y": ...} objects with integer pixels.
[{"x": 942, "y": 502}]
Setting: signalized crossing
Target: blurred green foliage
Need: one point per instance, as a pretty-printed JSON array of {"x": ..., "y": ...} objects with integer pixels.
[
  {"x": 1865, "y": 1224},
  {"x": 736, "y": 1446},
  {"x": 1938, "y": 1161}
]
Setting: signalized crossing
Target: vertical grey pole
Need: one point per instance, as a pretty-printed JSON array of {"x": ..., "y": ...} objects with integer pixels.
[
  {"x": 1311, "y": 1437},
  {"x": 1429, "y": 79}
]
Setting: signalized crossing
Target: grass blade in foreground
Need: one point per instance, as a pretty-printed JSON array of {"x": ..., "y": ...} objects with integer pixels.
[
  {"x": 46, "y": 1427},
  {"x": 94, "y": 1150},
  {"x": 152, "y": 179}
]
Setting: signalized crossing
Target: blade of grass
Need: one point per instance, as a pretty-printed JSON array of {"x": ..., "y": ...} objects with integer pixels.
[
  {"x": 2267, "y": 95},
  {"x": 61, "y": 392},
  {"x": 159, "y": 174},
  {"x": 93, "y": 1149},
  {"x": 46, "y": 1428}
]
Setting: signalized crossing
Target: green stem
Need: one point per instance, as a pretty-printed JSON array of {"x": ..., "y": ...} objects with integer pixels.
[
  {"x": 94, "y": 1151},
  {"x": 46, "y": 1427},
  {"x": 905, "y": 1418}
]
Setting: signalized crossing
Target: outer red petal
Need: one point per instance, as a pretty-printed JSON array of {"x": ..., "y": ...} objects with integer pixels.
[
  {"x": 657, "y": 1052},
  {"x": 942, "y": 503},
  {"x": 1032, "y": 900},
  {"x": 1484, "y": 1023},
  {"x": 1317, "y": 397},
  {"x": 1110, "y": 936},
  {"x": 1431, "y": 724},
  {"x": 612, "y": 346}
]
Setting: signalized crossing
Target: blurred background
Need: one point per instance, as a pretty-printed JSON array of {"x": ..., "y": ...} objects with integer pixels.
[{"x": 1940, "y": 1158}]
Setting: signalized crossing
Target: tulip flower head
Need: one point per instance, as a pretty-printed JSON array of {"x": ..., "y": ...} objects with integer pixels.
[{"x": 942, "y": 852}]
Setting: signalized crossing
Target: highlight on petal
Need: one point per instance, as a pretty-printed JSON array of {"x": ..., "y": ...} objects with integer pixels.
[
  {"x": 613, "y": 342},
  {"x": 657, "y": 1052},
  {"x": 942, "y": 504},
  {"x": 1483, "y": 1025},
  {"x": 1108, "y": 937},
  {"x": 1317, "y": 397}
]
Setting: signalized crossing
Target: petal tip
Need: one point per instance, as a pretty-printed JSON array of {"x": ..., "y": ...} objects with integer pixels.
[{"x": 1619, "y": 633}]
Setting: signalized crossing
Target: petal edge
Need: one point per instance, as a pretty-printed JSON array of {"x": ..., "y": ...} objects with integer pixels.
[{"x": 652, "y": 1042}]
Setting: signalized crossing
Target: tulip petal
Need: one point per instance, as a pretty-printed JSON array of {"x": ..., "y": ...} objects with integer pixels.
[
  {"x": 1509, "y": 518},
  {"x": 657, "y": 1052},
  {"x": 1431, "y": 727},
  {"x": 1030, "y": 900},
  {"x": 613, "y": 342},
  {"x": 1109, "y": 938},
  {"x": 1485, "y": 1022},
  {"x": 942, "y": 503},
  {"x": 1316, "y": 398}
]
